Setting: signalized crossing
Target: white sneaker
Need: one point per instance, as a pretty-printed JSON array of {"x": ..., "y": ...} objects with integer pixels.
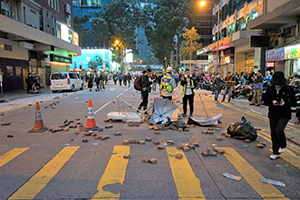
[
  {"x": 273, "y": 156},
  {"x": 281, "y": 150}
]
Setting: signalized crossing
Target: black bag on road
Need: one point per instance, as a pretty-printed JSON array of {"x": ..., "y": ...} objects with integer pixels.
[{"x": 242, "y": 130}]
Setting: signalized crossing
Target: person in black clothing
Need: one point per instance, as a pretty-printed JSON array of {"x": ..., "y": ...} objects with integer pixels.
[
  {"x": 125, "y": 79},
  {"x": 129, "y": 79},
  {"x": 279, "y": 97},
  {"x": 145, "y": 90},
  {"x": 120, "y": 76},
  {"x": 115, "y": 78},
  {"x": 160, "y": 75},
  {"x": 29, "y": 82},
  {"x": 154, "y": 77},
  {"x": 97, "y": 81},
  {"x": 217, "y": 84},
  {"x": 90, "y": 82}
]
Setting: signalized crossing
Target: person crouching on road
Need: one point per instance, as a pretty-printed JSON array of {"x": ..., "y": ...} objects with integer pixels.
[
  {"x": 258, "y": 87},
  {"x": 279, "y": 97},
  {"x": 217, "y": 85},
  {"x": 188, "y": 92},
  {"x": 145, "y": 90},
  {"x": 167, "y": 85}
]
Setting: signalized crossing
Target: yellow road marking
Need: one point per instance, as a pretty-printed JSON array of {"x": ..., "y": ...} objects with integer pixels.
[
  {"x": 187, "y": 184},
  {"x": 266, "y": 191},
  {"x": 114, "y": 173},
  {"x": 32, "y": 187},
  {"x": 11, "y": 155}
]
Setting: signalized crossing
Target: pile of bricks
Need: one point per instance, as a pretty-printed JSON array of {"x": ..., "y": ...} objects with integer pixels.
[
  {"x": 187, "y": 147},
  {"x": 216, "y": 150},
  {"x": 150, "y": 160}
]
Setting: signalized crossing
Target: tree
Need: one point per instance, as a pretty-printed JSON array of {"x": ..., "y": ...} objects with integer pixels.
[
  {"x": 95, "y": 62},
  {"x": 80, "y": 29},
  {"x": 167, "y": 19},
  {"x": 118, "y": 22},
  {"x": 190, "y": 44},
  {"x": 151, "y": 59}
]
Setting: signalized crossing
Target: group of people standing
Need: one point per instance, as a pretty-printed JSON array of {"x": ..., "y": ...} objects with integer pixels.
[
  {"x": 123, "y": 79},
  {"x": 100, "y": 81},
  {"x": 33, "y": 83}
]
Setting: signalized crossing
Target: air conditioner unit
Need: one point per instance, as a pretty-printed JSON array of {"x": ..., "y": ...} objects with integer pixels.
[{"x": 279, "y": 42}]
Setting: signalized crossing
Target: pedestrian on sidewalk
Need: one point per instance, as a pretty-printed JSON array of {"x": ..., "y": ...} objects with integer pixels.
[
  {"x": 115, "y": 78},
  {"x": 229, "y": 80},
  {"x": 90, "y": 82},
  {"x": 145, "y": 90},
  {"x": 168, "y": 85},
  {"x": 217, "y": 84},
  {"x": 279, "y": 97},
  {"x": 129, "y": 78},
  {"x": 154, "y": 78},
  {"x": 105, "y": 78},
  {"x": 188, "y": 93},
  {"x": 97, "y": 81},
  {"x": 257, "y": 88},
  {"x": 29, "y": 82},
  {"x": 120, "y": 79},
  {"x": 125, "y": 79},
  {"x": 102, "y": 79}
]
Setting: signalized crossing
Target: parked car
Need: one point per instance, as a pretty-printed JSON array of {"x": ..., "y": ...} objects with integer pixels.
[{"x": 65, "y": 81}]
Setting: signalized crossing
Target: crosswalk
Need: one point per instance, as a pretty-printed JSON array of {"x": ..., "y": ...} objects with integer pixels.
[{"x": 188, "y": 185}]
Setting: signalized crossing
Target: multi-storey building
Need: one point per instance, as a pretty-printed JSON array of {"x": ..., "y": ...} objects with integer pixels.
[
  {"x": 230, "y": 49},
  {"x": 280, "y": 21},
  {"x": 35, "y": 36}
]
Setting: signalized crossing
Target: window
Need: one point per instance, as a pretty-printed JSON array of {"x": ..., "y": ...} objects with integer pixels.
[
  {"x": 7, "y": 47},
  {"x": 9, "y": 71},
  {"x": 18, "y": 71},
  {"x": 57, "y": 5},
  {"x": 49, "y": 2},
  {"x": 72, "y": 75},
  {"x": 58, "y": 76}
]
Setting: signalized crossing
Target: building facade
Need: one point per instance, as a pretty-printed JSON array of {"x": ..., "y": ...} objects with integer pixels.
[
  {"x": 230, "y": 48},
  {"x": 280, "y": 22},
  {"x": 36, "y": 36}
]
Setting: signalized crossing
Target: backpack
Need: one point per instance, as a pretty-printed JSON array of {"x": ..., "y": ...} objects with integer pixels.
[{"x": 138, "y": 83}]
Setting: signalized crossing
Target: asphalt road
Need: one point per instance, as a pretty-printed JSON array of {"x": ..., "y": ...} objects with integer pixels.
[{"x": 60, "y": 166}]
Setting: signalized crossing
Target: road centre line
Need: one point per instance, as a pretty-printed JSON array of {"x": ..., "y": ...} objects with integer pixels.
[
  {"x": 114, "y": 173},
  {"x": 36, "y": 183},
  {"x": 187, "y": 184},
  {"x": 251, "y": 175},
  {"x": 11, "y": 155}
]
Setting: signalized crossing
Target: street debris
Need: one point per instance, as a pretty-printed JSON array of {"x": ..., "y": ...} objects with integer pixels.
[
  {"x": 84, "y": 140},
  {"x": 272, "y": 182},
  {"x": 152, "y": 161},
  {"x": 160, "y": 147},
  {"x": 109, "y": 126},
  {"x": 233, "y": 177},
  {"x": 156, "y": 142},
  {"x": 95, "y": 144},
  {"x": 5, "y": 124},
  {"x": 259, "y": 146},
  {"x": 219, "y": 138},
  {"x": 242, "y": 130},
  {"x": 117, "y": 133},
  {"x": 218, "y": 150},
  {"x": 125, "y": 142},
  {"x": 10, "y": 136},
  {"x": 178, "y": 156},
  {"x": 126, "y": 156}
]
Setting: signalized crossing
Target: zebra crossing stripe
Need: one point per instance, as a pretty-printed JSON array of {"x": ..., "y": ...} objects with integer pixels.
[
  {"x": 11, "y": 155},
  {"x": 114, "y": 173},
  {"x": 187, "y": 184},
  {"x": 251, "y": 175},
  {"x": 32, "y": 187}
]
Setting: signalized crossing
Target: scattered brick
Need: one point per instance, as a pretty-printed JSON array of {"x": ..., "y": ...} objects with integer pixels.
[
  {"x": 186, "y": 129},
  {"x": 217, "y": 129},
  {"x": 148, "y": 139},
  {"x": 263, "y": 143},
  {"x": 218, "y": 150},
  {"x": 186, "y": 149},
  {"x": 125, "y": 142},
  {"x": 219, "y": 138},
  {"x": 204, "y": 132},
  {"x": 10, "y": 136},
  {"x": 106, "y": 120},
  {"x": 227, "y": 135},
  {"x": 77, "y": 119},
  {"x": 223, "y": 133},
  {"x": 192, "y": 125},
  {"x": 195, "y": 144},
  {"x": 6, "y": 124},
  {"x": 93, "y": 134},
  {"x": 247, "y": 140},
  {"x": 161, "y": 147},
  {"x": 117, "y": 133},
  {"x": 61, "y": 126},
  {"x": 70, "y": 122},
  {"x": 84, "y": 140},
  {"x": 156, "y": 128},
  {"x": 66, "y": 129},
  {"x": 78, "y": 123},
  {"x": 214, "y": 154},
  {"x": 144, "y": 160},
  {"x": 73, "y": 126},
  {"x": 156, "y": 142},
  {"x": 152, "y": 161},
  {"x": 97, "y": 137},
  {"x": 126, "y": 156},
  {"x": 210, "y": 129},
  {"x": 258, "y": 129},
  {"x": 156, "y": 132},
  {"x": 131, "y": 124},
  {"x": 178, "y": 156},
  {"x": 142, "y": 142},
  {"x": 87, "y": 134},
  {"x": 179, "y": 147},
  {"x": 86, "y": 101},
  {"x": 205, "y": 154},
  {"x": 108, "y": 126},
  {"x": 104, "y": 137},
  {"x": 132, "y": 141},
  {"x": 170, "y": 142},
  {"x": 100, "y": 129},
  {"x": 210, "y": 132},
  {"x": 76, "y": 133},
  {"x": 150, "y": 128},
  {"x": 260, "y": 146},
  {"x": 191, "y": 146}
]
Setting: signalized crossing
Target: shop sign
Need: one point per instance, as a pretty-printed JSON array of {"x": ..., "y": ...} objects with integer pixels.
[
  {"x": 76, "y": 40},
  {"x": 227, "y": 59},
  {"x": 270, "y": 64},
  {"x": 61, "y": 59},
  {"x": 292, "y": 52},
  {"x": 275, "y": 54}
]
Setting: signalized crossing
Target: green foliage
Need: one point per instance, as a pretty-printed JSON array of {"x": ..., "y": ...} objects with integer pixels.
[
  {"x": 95, "y": 62},
  {"x": 168, "y": 18},
  {"x": 79, "y": 27},
  {"x": 151, "y": 59}
]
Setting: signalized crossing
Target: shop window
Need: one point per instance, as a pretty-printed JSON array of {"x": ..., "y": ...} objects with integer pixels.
[
  {"x": 9, "y": 71},
  {"x": 231, "y": 29},
  {"x": 18, "y": 71}
]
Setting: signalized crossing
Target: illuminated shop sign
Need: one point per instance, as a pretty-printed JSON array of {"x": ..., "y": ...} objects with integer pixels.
[
  {"x": 275, "y": 54},
  {"x": 292, "y": 52},
  {"x": 270, "y": 64},
  {"x": 76, "y": 40},
  {"x": 61, "y": 59}
]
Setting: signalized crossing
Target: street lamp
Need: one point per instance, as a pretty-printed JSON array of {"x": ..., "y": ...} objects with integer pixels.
[{"x": 202, "y": 3}]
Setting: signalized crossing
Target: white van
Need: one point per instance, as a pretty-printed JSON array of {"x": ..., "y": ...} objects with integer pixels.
[{"x": 65, "y": 81}]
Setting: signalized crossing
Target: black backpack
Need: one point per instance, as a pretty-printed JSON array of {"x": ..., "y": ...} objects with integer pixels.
[{"x": 138, "y": 83}]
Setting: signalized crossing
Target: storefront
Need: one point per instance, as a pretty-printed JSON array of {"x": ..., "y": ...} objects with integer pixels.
[
  {"x": 275, "y": 60},
  {"x": 226, "y": 61},
  {"x": 292, "y": 63}
]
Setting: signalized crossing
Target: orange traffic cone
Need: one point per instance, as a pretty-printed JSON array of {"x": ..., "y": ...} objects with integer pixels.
[
  {"x": 38, "y": 122},
  {"x": 91, "y": 123}
]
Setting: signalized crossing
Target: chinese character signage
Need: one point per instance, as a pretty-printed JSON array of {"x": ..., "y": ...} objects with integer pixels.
[{"x": 275, "y": 54}]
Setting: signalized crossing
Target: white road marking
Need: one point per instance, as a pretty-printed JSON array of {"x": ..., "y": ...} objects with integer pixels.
[
  {"x": 256, "y": 112},
  {"x": 102, "y": 107},
  {"x": 112, "y": 89}
]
